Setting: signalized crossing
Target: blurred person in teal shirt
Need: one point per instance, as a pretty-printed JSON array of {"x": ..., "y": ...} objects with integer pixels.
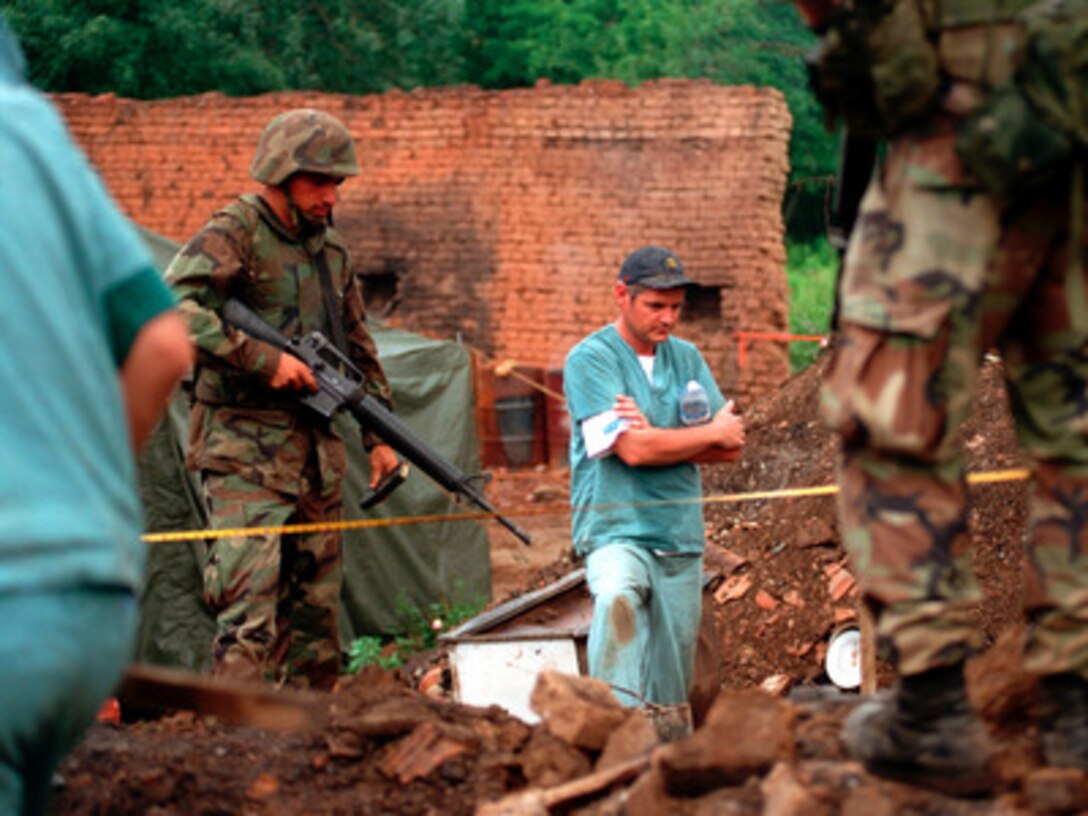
[{"x": 92, "y": 349}]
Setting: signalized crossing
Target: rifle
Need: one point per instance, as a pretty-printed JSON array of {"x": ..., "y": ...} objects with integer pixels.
[
  {"x": 340, "y": 387},
  {"x": 840, "y": 78},
  {"x": 857, "y": 156}
]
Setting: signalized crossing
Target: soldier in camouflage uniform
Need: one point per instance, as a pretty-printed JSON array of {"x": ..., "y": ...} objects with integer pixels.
[
  {"x": 264, "y": 460},
  {"x": 941, "y": 268}
]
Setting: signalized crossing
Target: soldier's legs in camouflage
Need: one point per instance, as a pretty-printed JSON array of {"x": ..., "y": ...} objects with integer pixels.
[
  {"x": 242, "y": 575},
  {"x": 899, "y": 386},
  {"x": 313, "y": 576},
  {"x": 898, "y": 389},
  {"x": 1046, "y": 358},
  {"x": 1056, "y": 592},
  {"x": 904, "y": 525}
]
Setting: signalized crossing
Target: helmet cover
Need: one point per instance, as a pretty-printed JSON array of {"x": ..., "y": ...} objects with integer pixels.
[{"x": 303, "y": 140}]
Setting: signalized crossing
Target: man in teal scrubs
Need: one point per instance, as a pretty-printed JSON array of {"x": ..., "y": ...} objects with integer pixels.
[
  {"x": 92, "y": 351},
  {"x": 635, "y": 486}
]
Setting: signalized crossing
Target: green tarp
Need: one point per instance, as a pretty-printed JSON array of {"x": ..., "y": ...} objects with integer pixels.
[{"x": 390, "y": 571}]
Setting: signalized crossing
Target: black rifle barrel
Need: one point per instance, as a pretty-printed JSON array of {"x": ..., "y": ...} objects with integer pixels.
[
  {"x": 372, "y": 415},
  {"x": 242, "y": 317}
]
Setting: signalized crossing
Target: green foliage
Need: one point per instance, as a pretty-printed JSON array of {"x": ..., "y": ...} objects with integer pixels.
[
  {"x": 150, "y": 49},
  {"x": 424, "y": 624},
  {"x": 139, "y": 49},
  {"x": 732, "y": 42},
  {"x": 422, "y": 627},
  {"x": 812, "y": 270},
  {"x": 367, "y": 651}
]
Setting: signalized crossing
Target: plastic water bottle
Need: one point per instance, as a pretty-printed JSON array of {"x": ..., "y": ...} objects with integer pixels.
[{"x": 694, "y": 404}]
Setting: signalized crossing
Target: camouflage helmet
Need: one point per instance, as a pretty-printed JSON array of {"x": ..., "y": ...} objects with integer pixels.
[{"x": 303, "y": 141}]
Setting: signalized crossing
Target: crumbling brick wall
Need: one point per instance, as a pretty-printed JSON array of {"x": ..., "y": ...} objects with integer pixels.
[{"x": 502, "y": 217}]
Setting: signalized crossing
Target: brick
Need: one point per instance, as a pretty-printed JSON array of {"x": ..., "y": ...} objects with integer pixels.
[
  {"x": 733, "y": 588},
  {"x": 428, "y": 747},
  {"x": 765, "y": 600},
  {"x": 840, "y": 584}
]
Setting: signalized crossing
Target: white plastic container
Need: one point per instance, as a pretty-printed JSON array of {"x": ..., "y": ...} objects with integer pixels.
[
  {"x": 843, "y": 661},
  {"x": 694, "y": 404}
]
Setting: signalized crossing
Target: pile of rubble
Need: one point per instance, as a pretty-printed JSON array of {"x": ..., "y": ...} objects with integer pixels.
[
  {"x": 782, "y": 587},
  {"x": 386, "y": 748}
]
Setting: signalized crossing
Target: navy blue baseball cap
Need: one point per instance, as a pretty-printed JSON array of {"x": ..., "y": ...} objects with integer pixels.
[{"x": 655, "y": 268}]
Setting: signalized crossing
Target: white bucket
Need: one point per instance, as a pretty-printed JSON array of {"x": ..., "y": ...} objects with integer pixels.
[{"x": 843, "y": 661}]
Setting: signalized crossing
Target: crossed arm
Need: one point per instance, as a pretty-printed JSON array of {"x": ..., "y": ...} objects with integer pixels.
[{"x": 643, "y": 445}]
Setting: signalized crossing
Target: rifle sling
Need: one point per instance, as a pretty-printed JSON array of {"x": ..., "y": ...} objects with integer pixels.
[{"x": 336, "y": 325}]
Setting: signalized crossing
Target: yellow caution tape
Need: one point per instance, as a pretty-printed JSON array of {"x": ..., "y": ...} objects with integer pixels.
[
  {"x": 314, "y": 527},
  {"x": 991, "y": 477}
]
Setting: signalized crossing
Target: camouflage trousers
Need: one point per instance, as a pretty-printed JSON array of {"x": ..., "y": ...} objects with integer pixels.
[
  {"x": 275, "y": 597},
  {"x": 937, "y": 274}
]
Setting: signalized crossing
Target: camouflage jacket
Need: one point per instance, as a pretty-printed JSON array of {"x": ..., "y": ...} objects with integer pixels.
[{"x": 239, "y": 424}]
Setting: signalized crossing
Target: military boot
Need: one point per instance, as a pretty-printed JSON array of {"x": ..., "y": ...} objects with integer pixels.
[
  {"x": 924, "y": 732},
  {"x": 1063, "y": 720}
]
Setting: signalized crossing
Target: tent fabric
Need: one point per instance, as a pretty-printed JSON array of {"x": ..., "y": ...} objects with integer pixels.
[{"x": 390, "y": 572}]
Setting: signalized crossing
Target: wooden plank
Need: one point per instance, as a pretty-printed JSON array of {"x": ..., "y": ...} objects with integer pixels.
[
  {"x": 154, "y": 689},
  {"x": 540, "y": 802},
  {"x": 867, "y": 632},
  {"x": 595, "y": 782},
  {"x": 516, "y": 606}
]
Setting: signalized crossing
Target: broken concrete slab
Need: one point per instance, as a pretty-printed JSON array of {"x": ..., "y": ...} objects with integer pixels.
[
  {"x": 582, "y": 711},
  {"x": 636, "y": 737},
  {"x": 714, "y": 756}
]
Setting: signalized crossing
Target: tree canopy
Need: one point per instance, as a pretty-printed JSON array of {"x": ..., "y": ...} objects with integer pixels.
[{"x": 150, "y": 49}]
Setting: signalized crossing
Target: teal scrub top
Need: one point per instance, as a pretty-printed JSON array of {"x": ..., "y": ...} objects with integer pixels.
[
  {"x": 74, "y": 276},
  {"x": 655, "y": 507}
]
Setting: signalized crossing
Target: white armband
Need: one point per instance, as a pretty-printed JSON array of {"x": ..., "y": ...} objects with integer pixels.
[{"x": 601, "y": 431}]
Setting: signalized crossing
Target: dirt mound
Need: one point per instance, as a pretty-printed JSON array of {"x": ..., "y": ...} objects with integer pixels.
[
  {"x": 796, "y": 586},
  {"x": 384, "y": 749},
  {"x": 387, "y": 748}
]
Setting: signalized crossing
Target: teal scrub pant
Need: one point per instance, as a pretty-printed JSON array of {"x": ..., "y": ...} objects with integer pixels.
[
  {"x": 646, "y": 613},
  {"x": 61, "y": 655}
]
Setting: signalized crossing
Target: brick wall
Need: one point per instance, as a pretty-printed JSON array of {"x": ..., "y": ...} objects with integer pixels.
[{"x": 503, "y": 216}]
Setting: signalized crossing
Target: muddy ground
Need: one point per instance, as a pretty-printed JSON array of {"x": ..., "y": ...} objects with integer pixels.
[{"x": 782, "y": 588}]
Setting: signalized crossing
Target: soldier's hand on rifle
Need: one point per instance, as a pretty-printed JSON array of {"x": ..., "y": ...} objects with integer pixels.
[
  {"x": 383, "y": 460},
  {"x": 293, "y": 373}
]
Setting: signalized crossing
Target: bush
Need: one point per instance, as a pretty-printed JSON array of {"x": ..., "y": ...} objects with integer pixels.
[
  {"x": 812, "y": 272},
  {"x": 423, "y": 626}
]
